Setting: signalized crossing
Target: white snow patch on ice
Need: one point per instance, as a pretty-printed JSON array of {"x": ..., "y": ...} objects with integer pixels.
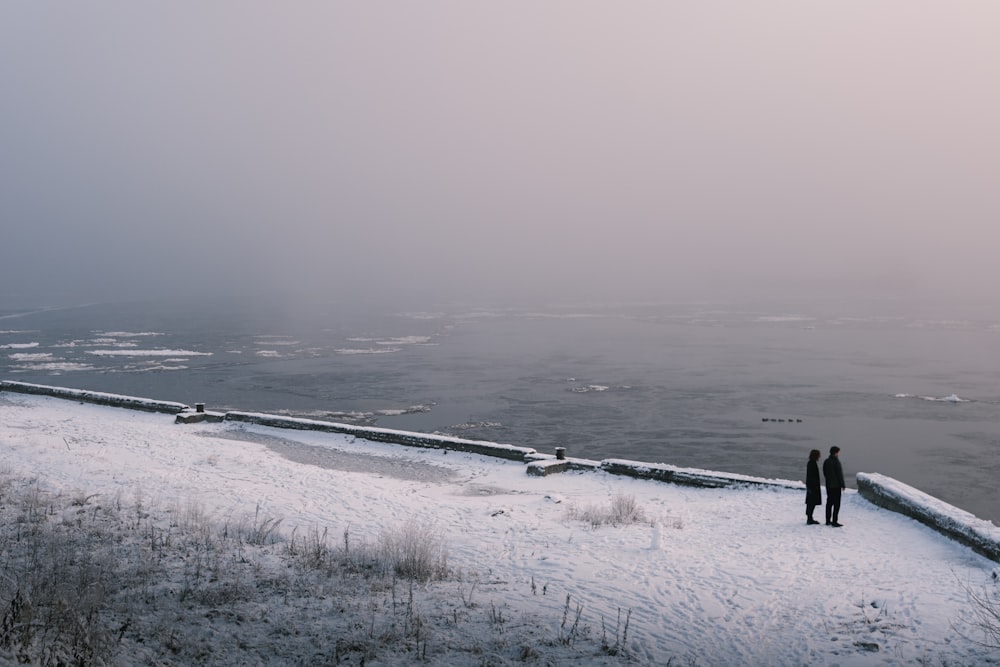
[
  {"x": 277, "y": 340},
  {"x": 29, "y": 356},
  {"x": 589, "y": 388},
  {"x": 950, "y": 398},
  {"x": 130, "y": 334},
  {"x": 54, "y": 366},
  {"x": 148, "y": 353}
]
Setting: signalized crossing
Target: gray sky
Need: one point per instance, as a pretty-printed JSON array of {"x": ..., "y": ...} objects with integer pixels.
[{"x": 555, "y": 150}]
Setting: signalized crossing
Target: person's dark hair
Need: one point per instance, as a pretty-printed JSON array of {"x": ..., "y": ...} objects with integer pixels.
[
  {"x": 814, "y": 455},
  {"x": 834, "y": 450}
]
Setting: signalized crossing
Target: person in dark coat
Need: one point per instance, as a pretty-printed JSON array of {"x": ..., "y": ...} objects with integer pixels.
[
  {"x": 834, "y": 474},
  {"x": 814, "y": 496}
]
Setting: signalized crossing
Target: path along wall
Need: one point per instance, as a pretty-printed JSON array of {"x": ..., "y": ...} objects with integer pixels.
[{"x": 978, "y": 534}]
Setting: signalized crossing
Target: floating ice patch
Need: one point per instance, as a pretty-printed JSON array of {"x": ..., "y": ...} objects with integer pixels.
[
  {"x": 130, "y": 334},
  {"x": 406, "y": 340},
  {"x": 468, "y": 426},
  {"x": 396, "y": 412},
  {"x": 148, "y": 353},
  {"x": 589, "y": 388},
  {"x": 400, "y": 340},
  {"x": 951, "y": 398},
  {"x": 277, "y": 340},
  {"x": 586, "y": 389},
  {"x": 146, "y": 367},
  {"x": 54, "y": 366},
  {"x": 326, "y": 415},
  {"x": 112, "y": 342}
]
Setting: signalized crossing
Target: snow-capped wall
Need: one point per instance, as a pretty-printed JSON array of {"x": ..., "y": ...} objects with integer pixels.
[
  {"x": 512, "y": 452},
  {"x": 959, "y": 525},
  {"x": 101, "y": 398},
  {"x": 689, "y": 476}
]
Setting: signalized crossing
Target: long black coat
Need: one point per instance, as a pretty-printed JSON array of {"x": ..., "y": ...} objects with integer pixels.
[
  {"x": 834, "y": 473},
  {"x": 813, "y": 494}
]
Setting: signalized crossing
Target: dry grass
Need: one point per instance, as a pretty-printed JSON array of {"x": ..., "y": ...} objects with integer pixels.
[
  {"x": 980, "y": 622},
  {"x": 414, "y": 550},
  {"x": 621, "y": 510},
  {"x": 89, "y": 580}
]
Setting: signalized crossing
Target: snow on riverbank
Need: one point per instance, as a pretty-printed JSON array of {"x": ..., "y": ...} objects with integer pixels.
[{"x": 713, "y": 576}]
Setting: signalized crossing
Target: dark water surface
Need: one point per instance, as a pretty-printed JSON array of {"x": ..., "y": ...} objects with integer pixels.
[{"x": 742, "y": 390}]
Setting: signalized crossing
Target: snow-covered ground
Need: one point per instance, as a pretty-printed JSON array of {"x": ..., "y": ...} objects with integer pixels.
[{"x": 711, "y": 577}]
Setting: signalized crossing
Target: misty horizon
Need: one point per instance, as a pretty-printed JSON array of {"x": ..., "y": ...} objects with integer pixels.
[{"x": 516, "y": 153}]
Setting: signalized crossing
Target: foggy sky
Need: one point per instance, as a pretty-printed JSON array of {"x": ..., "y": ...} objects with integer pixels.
[{"x": 468, "y": 150}]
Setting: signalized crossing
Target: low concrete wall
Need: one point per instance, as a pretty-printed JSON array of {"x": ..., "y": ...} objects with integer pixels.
[
  {"x": 199, "y": 417},
  {"x": 542, "y": 465},
  {"x": 100, "y": 398},
  {"x": 547, "y": 467},
  {"x": 963, "y": 527},
  {"x": 511, "y": 452},
  {"x": 662, "y": 472}
]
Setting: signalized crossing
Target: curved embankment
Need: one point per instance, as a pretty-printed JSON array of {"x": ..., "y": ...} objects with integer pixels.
[{"x": 978, "y": 534}]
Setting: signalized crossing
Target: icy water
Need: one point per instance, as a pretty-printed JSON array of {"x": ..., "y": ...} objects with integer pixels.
[{"x": 746, "y": 390}]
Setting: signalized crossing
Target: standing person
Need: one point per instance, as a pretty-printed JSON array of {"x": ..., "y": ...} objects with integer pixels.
[
  {"x": 814, "y": 496},
  {"x": 834, "y": 474}
]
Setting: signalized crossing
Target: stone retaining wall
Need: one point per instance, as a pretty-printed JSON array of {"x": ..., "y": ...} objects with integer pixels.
[
  {"x": 511, "y": 452},
  {"x": 662, "y": 472},
  {"x": 541, "y": 465},
  {"x": 100, "y": 398}
]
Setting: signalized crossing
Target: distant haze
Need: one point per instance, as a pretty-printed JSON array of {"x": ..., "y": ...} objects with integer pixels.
[{"x": 480, "y": 151}]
